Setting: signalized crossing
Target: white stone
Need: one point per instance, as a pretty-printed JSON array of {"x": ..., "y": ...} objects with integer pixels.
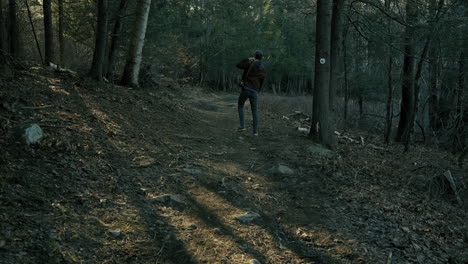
[
  {"x": 247, "y": 217},
  {"x": 281, "y": 169},
  {"x": 167, "y": 198},
  {"x": 31, "y": 134}
]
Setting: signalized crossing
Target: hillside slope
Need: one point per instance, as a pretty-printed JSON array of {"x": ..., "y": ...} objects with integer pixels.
[{"x": 139, "y": 176}]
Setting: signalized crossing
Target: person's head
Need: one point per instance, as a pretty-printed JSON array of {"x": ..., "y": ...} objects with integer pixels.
[{"x": 258, "y": 54}]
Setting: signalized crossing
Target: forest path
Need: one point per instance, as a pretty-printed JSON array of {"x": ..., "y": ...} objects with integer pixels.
[
  {"x": 234, "y": 173},
  {"x": 162, "y": 176}
]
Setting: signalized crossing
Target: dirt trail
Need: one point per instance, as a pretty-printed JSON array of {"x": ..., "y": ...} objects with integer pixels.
[
  {"x": 135, "y": 176},
  {"x": 238, "y": 176}
]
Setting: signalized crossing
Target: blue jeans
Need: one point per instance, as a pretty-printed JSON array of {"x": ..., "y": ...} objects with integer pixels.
[{"x": 252, "y": 95}]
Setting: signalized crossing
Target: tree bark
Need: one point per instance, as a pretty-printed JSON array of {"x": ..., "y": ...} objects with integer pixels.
[
  {"x": 416, "y": 92},
  {"x": 61, "y": 34},
  {"x": 33, "y": 31},
  {"x": 132, "y": 66},
  {"x": 322, "y": 130},
  {"x": 101, "y": 39},
  {"x": 14, "y": 48},
  {"x": 433, "y": 77},
  {"x": 433, "y": 87},
  {"x": 337, "y": 50},
  {"x": 407, "y": 88},
  {"x": 389, "y": 104},
  {"x": 346, "y": 83},
  {"x": 3, "y": 33},
  {"x": 460, "y": 111},
  {"x": 118, "y": 26},
  {"x": 48, "y": 31}
]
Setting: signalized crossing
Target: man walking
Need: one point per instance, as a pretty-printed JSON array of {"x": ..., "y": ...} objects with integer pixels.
[{"x": 252, "y": 81}]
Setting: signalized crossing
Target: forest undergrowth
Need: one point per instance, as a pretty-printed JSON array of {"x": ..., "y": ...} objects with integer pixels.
[{"x": 161, "y": 175}]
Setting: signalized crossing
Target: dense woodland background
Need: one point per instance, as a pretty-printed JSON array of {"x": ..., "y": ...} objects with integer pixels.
[
  {"x": 118, "y": 140},
  {"x": 397, "y": 61}
]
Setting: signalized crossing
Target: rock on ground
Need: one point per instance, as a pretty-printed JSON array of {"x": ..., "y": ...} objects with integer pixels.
[
  {"x": 30, "y": 133},
  {"x": 281, "y": 169},
  {"x": 318, "y": 150},
  {"x": 247, "y": 217},
  {"x": 167, "y": 199}
]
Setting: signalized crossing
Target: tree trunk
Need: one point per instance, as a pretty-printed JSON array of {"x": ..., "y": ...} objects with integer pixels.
[
  {"x": 389, "y": 104},
  {"x": 60, "y": 34},
  {"x": 418, "y": 74},
  {"x": 337, "y": 50},
  {"x": 322, "y": 130},
  {"x": 361, "y": 104},
  {"x": 132, "y": 66},
  {"x": 3, "y": 33},
  {"x": 433, "y": 87},
  {"x": 416, "y": 92},
  {"x": 96, "y": 71},
  {"x": 346, "y": 83},
  {"x": 433, "y": 78},
  {"x": 407, "y": 88},
  {"x": 459, "y": 129},
  {"x": 118, "y": 26},
  {"x": 14, "y": 48},
  {"x": 48, "y": 31},
  {"x": 33, "y": 31}
]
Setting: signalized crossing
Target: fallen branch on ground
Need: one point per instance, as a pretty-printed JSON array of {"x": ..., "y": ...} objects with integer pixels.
[{"x": 37, "y": 107}]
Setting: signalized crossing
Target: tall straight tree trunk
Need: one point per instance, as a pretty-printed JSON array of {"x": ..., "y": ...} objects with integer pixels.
[
  {"x": 34, "y": 31},
  {"x": 48, "y": 31},
  {"x": 101, "y": 39},
  {"x": 346, "y": 83},
  {"x": 337, "y": 50},
  {"x": 322, "y": 130},
  {"x": 460, "y": 129},
  {"x": 60, "y": 34},
  {"x": 389, "y": 104},
  {"x": 118, "y": 26},
  {"x": 132, "y": 66},
  {"x": 433, "y": 76},
  {"x": 14, "y": 48},
  {"x": 3, "y": 33},
  {"x": 433, "y": 87},
  {"x": 417, "y": 87},
  {"x": 407, "y": 88}
]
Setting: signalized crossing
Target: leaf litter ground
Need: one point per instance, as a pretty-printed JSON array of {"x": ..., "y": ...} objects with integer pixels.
[{"x": 139, "y": 176}]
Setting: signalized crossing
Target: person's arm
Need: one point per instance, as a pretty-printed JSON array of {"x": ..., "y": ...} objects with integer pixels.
[{"x": 243, "y": 64}]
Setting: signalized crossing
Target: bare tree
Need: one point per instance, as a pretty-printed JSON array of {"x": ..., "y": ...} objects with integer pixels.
[
  {"x": 321, "y": 130},
  {"x": 48, "y": 31},
  {"x": 101, "y": 39},
  {"x": 336, "y": 72},
  {"x": 33, "y": 29},
  {"x": 389, "y": 102},
  {"x": 61, "y": 38},
  {"x": 407, "y": 88},
  {"x": 3, "y": 34},
  {"x": 116, "y": 33},
  {"x": 14, "y": 47},
  {"x": 132, "y": 65}
]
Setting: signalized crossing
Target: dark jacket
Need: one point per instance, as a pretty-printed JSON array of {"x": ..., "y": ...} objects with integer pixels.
[{"x": 253, "y": 77}]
